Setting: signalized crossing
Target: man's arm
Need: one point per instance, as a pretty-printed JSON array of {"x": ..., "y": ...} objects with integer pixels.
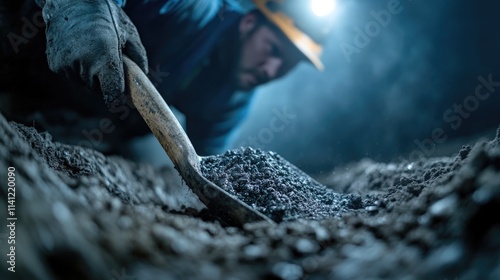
[
  {"x": 88, "y": 38},
  {"x": 41, "y": 3}
]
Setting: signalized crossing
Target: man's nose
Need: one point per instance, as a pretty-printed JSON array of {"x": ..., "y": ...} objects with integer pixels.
[{"x": 272, "y": 67}]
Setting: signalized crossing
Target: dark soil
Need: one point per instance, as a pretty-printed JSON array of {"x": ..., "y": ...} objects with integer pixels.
[
  {"x": 82, "y": 215},
  {"x": 274, "y": 187}
]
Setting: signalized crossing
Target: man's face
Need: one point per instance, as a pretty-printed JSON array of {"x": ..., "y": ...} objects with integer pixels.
[{"x": 265, "y": 54}]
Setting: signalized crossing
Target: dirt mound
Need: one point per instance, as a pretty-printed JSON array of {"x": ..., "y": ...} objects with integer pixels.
[
  {"x": 98, "y": 217},
  {"x": 274, "y": 187}
]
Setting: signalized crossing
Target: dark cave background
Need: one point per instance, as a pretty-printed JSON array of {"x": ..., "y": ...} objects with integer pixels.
[{"x": 391, "y": 92}]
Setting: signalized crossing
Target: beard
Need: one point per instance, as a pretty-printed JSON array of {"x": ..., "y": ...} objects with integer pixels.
[{"x": 229, "y": 56}]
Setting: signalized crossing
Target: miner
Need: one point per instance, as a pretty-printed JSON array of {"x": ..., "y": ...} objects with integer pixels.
[{"x": 204, "y": 57}]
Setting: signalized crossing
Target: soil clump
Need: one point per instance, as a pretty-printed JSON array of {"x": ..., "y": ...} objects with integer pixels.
[{"x": 274, "y": 187}]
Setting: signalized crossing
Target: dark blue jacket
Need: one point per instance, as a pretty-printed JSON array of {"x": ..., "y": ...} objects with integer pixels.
[{"x": 180, "y": 37}]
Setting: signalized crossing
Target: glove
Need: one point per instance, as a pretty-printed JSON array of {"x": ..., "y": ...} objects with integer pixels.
[{"x": 87, "y": 38}]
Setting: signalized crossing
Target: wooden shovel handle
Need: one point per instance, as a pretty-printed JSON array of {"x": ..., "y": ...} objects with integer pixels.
[
  {"x": 175, "y": 142},
  {"x": 159, "y": 117}
]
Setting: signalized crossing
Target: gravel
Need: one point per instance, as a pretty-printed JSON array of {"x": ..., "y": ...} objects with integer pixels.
[
  {"x": 273, "y": 186},
  {"x": 83, "y": 215}
]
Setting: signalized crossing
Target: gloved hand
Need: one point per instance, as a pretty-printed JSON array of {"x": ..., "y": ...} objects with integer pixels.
[{"x": 87, "y": 38}]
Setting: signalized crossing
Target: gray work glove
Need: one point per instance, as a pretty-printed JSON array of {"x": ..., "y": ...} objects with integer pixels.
[{"x": 87, "y": 38}]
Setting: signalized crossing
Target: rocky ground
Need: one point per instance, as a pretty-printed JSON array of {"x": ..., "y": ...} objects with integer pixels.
[{"x": 82, "y": 215}]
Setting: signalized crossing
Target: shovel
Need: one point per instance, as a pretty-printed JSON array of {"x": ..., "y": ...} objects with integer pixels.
[{"x": 175, "y": 142}]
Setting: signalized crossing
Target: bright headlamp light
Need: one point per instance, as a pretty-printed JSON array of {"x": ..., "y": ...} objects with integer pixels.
[{"x": 322, "y": 8}]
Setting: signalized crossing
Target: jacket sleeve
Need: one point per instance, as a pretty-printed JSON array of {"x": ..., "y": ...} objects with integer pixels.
[
  {"x": 194, "y": 11},
  {"x": 120, "y": 3}
]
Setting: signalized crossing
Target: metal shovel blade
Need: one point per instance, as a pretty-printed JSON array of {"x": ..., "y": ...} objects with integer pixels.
[{"x": 175, "y": 142}]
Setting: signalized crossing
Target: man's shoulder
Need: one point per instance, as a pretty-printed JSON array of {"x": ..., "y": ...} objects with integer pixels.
[{"x": 197, "y": 11}]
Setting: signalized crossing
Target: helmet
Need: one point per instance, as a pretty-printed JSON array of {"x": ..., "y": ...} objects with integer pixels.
[{"x": 298, "y": 21}]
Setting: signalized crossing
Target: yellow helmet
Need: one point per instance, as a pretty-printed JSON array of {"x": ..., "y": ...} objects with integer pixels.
[{"x": 306, "y": 23}]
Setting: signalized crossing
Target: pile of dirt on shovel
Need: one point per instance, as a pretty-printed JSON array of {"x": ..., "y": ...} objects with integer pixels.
[
  {"x": 274, "y": 187},
  {"x": 83, "y": 215}
]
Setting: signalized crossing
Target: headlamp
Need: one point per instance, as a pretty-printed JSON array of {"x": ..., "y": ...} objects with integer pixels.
[{"x": 322, "y": 8}]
